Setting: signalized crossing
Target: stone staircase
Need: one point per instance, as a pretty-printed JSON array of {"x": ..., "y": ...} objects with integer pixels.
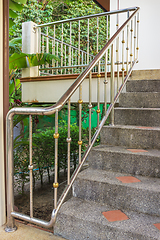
[{"x": 118, "y": 196}]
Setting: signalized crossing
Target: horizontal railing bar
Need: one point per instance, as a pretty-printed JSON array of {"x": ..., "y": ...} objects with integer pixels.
[
  {"x": 87, "y": 17},
  {"x": 67, "y": 44},
  {"x": 78, "y": 66},
  {"x": 73, "y": 66}
]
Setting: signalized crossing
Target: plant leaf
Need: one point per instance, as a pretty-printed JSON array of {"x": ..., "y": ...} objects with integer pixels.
[
  {"x": 15, "y": 6},
  {"x": 12, "y": 14},
  {"x": 21, "y": 1},
  {"x": 11, "y": 23}
]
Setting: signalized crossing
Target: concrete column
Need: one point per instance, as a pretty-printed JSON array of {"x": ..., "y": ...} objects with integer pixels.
[
  {"x": 30, "y": 45},
  {"x": 2, "y": 176}
]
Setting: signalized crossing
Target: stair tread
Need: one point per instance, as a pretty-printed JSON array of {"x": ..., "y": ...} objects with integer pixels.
[
  {"x": 143, "y": 128},
  {"x": 89, "y": 216},
  {"x": 150, "y": 128},
  {"x": 103, "y": 176},
  {"x": 124, "y": 150},
  {"x": 141, "y": 108}
]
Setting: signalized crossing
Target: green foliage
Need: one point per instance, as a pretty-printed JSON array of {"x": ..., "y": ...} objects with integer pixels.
[
  {"x": 21, "y": 162},
  {"x": 44, "y": 152},
  {"x": 22, "y": 60},
  {"x": 15, "y": 6}
]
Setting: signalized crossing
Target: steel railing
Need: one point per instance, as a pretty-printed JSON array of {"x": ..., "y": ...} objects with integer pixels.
[
  {"x": 75, "y": 41},
  {"x": 126, "y": 51}
]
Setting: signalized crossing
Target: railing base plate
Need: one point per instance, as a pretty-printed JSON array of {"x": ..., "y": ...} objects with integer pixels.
[{"x": 10, "y": 230}]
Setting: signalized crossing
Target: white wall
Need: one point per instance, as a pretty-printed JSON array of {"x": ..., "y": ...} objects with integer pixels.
[
  {"x": 2, "y": 186},
  {"x": 149, "y": 34}
]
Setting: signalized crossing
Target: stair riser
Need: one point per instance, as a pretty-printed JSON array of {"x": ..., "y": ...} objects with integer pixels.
[
  {"x": 72, "y": 228},
  {"x": 137, "y": 117},
  {"x": 131, "y": 138},
  {"x": 139, "y": 100},
  {"x": 121, "y": 197},
  {"x": 125, "y": 163},
  {"x": 143, "y": 86}
]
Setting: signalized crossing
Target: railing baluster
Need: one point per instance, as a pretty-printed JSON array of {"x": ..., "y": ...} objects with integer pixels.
[
  {"x": 69, "y": 140},
  {"x": 55, "y": 184},
  {"x": 62, "y": 49},
  {"x": 127, "y": 50},
  {"x": 131, "y": 45},
  {"x": 65, "y": 57},
  {"x": 137, "y": 34},
  {"x": 117, "y": 53},
  {"x": 82, "y": 60},
  {"x": 117, "y": 61},
  {"x": 97, "y": 33},
  {"x": 79, "y": 38},
  {"x": 98, "y": 94},
  {"x": 105, "y": 84},
  {"x": 80, "y": 101},
  {"x": 88, "y": 43},
  {"x": 47, "y": 46},
  {"x": 112, "y": 83},
  {"x": 106, "y": 28},
  {"x": 72, "y": 59},
  {"x": 53, "y": 52},
  {"x": 43, "y": 50},
  {"x": 123, "y": 42},
  {"x": 90, "y": 105},
  {"x": 70, "y": 44},
  {"x": 135, "y": 37},
  {"x": 57, "y": 60},
  {"x": 30, "y": 167}
]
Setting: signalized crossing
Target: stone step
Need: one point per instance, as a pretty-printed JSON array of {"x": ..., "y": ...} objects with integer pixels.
[
  {"x": 140, "y": 100},
  {"x": 138, "y": 116},
  {"x": 104, "y": 187},
  {"x": 131, "y": 136},
  {"x": 143, "y": 86},
  {"x": 145, "y": 162},
  {"x": 82, "y": 220}
]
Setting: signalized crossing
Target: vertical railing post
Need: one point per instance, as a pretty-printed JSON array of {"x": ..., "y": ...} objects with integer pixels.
[
  {"x": 123, "y": 42},
  {"x": 80, "y": 101},
  {"x": 30, "y": 167},
  {"x": 69, "y": 140},
  {"x": 98, "y": 94},
  {"x": 10, "y": 176},
  {"x": 90, "y": 105},
  {"x": 137, "y": 34},
  {"x": 30, "y": 45},
  {"x": 112, "y": 83},
  {"x": 55, "y": 184}
]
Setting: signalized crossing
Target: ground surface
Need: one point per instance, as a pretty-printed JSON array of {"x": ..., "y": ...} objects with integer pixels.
[
  {"x": 43, "y": 199},
  {"x": 27, "y": 233}
]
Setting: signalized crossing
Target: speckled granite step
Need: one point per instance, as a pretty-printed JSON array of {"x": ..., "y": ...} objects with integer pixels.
[
  {"x": 145, "y": 162},
  {"x": 138, "y": 116},
  {"x": 102, "y": 186},
  {"x": 143, "y": 86},
  {"x": 140, "y": 99},
  {"x": 81, "y": 220},
  {"x": 131, "y": 136}
]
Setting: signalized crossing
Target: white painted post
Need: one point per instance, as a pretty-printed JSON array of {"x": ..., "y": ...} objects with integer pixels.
[
  {"x": 2, "y": 181},
  {"x": 30, "y": 46}
]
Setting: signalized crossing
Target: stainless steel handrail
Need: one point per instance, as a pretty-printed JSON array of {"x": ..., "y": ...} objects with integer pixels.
[
  {"x": 50, "y": 110},
  {"x": 87, "y": 16}
]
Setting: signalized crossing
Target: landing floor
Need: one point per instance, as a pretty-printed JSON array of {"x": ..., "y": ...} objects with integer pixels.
[{"x": 25, "y": 232}]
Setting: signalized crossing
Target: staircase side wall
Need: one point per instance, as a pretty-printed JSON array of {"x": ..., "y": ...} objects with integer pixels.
[{"x": 149, "y": 37}]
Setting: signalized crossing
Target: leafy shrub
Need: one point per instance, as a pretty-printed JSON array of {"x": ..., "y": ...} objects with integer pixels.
[{"x": 44, "y": 152}]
